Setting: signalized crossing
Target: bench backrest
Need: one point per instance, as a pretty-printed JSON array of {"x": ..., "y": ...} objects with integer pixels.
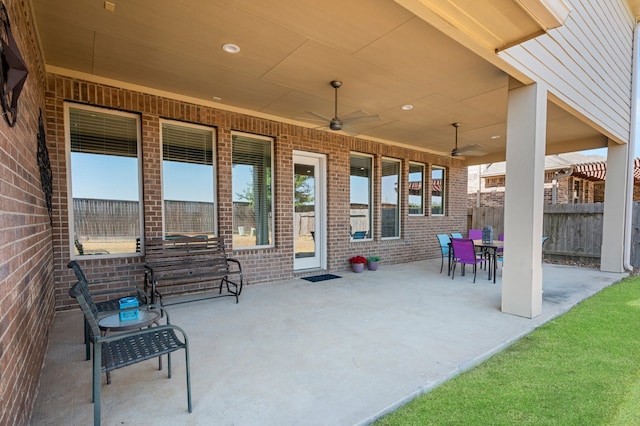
[{"x": 186, "y": 251}]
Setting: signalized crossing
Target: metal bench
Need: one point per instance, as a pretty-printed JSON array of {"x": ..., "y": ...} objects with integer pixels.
[{"x": 190, "y": 265}]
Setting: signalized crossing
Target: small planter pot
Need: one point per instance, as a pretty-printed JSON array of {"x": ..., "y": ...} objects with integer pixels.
[
  {"x": 372, "y": 266},
  {"x": 357, "y": 267}
]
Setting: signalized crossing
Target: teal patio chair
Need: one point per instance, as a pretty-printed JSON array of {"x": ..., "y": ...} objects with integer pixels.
[{"x": 444, "y": 241}]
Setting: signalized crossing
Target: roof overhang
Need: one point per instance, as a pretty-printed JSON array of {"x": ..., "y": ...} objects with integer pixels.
[{"x": 495, "y": 25}]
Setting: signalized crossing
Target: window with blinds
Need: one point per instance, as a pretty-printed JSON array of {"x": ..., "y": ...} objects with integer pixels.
[
  {"x": 416, "y": 189},
  {"x": 188, "y": 179},
  {"x": 104, "y": 168},
  {"x": 252, "y": 186},
  {"x": 438, "y": 191},
  {"x": 390, "y": 188},
  {"x": 361, "y": 211}
]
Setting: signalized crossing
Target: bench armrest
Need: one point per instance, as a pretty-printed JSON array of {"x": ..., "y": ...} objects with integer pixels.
[{"x": 235, "y": 261}]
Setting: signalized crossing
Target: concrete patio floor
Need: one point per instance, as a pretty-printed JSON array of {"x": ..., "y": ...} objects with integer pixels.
[{"x": 337, "y": 352}]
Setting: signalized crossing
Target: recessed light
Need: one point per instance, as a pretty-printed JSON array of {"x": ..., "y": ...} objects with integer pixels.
[
  {"x": 406, "y": 107},
  {"x": 231, "y": 48},
  {"x": 495, "y": 137},
  {"x": 217, "y": 98}
]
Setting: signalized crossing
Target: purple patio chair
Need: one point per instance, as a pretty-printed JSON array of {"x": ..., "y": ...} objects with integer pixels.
[
  {"x": 475, "y": 234},
  {"x": 464, "y": 252}
]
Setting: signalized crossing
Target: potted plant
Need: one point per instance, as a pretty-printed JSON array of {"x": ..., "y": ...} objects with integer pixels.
[
  {"x": 357, "y": 263},
  {"x": 372, "y": 262}
]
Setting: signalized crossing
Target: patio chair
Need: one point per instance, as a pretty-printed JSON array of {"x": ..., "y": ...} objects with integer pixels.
[
  {"x": 456, "y": 235},
  {"x": 111, "y": 303},
  {"x": 444, "y": 241},
  {"x": 120, "y": 350},
  {"x": 464, "y": 252},
  {"x": 475, "y": 234}
]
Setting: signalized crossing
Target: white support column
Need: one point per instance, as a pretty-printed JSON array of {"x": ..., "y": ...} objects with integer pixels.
[
  {"x": 615, "y": 199},
  {"x": 524, "y": 199}
]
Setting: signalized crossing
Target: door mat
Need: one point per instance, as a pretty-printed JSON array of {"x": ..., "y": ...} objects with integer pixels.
[{"x": 322, "y": 277}]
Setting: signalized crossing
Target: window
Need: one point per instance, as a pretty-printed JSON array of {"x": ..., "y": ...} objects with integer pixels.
[
  {"x": 360, "y": 194},
  {"x": 252, "y": 178},
  {"x": 416, "y": 192},
  {"x": 390, "y": 187},
  {"x": 188, "y": 180},
  {"x": 495, "y": 182},
  {"x": 437, "y": 191},
  {"x": 104, "y": 179}
]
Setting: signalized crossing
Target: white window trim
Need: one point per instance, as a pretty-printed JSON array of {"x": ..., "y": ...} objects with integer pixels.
[
  {"x": 214, "y": 161},
  {"x": 398, "y": 197},
  {"x": 444, "y": 190},
  {"x": 371, "y": 196},
  {"x": 271, "y": 140},
  {"x": 71, "y": 224},
  {"x": 424, "y": 169}
]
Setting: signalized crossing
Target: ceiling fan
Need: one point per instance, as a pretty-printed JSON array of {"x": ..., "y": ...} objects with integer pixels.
[
  {"x": 469, "y": 150},
  {"x": 336, "y": 123}
]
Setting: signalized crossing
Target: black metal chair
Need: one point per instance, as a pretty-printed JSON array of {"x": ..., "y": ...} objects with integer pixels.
[
  {"x": 120, "y": 350},
  {"x": 108, "y": 305}
]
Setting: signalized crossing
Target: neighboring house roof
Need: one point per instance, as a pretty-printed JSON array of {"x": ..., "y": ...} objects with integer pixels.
[
  {"x": 551, "y": 162},
  {"x": 416, "y": 186},
  {"x": 591, "y": 171},
  {"x": 598, "y": 171},
  {"x": 589, "y": 167}
]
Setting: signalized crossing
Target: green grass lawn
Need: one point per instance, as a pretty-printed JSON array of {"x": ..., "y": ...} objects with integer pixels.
[{"x": 582, "y": 368}]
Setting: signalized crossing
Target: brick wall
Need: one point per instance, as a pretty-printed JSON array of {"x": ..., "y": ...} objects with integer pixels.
[
  {"x": 260, "y": 265},
  {"x": 26, "y": 276}
]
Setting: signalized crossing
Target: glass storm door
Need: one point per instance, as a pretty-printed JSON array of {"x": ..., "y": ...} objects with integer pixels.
[{"x": 309, "y": 239}]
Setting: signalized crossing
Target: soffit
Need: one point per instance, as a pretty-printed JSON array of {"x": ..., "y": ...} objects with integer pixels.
[{"x": 385, "y": 55}]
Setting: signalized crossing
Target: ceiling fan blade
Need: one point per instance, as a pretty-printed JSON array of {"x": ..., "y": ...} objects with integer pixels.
[
  {"x": 356, "y": 114},
  {"x": 320, "y": 116},
  {"x": 364, "y": 119},
  {"x": 469, "y": 148},
  {"x": 312, "y": 120},
  {"x": 473, "y": 154},
  {"x": 474, "y": 150}
]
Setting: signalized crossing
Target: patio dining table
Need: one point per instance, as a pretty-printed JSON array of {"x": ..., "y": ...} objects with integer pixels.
[{"x": 493, "y": 246}]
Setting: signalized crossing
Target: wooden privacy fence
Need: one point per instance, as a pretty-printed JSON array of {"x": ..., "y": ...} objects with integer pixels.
[
  {"x": 120, "y": 219},
  {"x": 574, "y": 230}
]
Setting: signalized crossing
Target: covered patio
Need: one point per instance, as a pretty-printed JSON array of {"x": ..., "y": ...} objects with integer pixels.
[
  {"x": 219, "y": 86},
  {"x": 343, "y": 351}
]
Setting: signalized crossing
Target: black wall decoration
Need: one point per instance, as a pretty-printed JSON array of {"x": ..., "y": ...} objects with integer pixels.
[
  {"x": 13, "y": 70},
  {"x": 46, "y": 176}
]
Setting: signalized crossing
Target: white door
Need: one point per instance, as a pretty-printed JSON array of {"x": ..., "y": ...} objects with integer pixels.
[{"x": 309, "y": 211}]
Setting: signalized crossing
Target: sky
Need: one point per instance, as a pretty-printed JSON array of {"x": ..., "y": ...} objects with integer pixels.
[
  {"x": 94, "y": 177},
  {"x": 603, "y": 151}
]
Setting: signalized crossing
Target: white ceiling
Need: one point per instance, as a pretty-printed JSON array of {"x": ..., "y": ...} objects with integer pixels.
[{"x": 291, "y": 49}]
